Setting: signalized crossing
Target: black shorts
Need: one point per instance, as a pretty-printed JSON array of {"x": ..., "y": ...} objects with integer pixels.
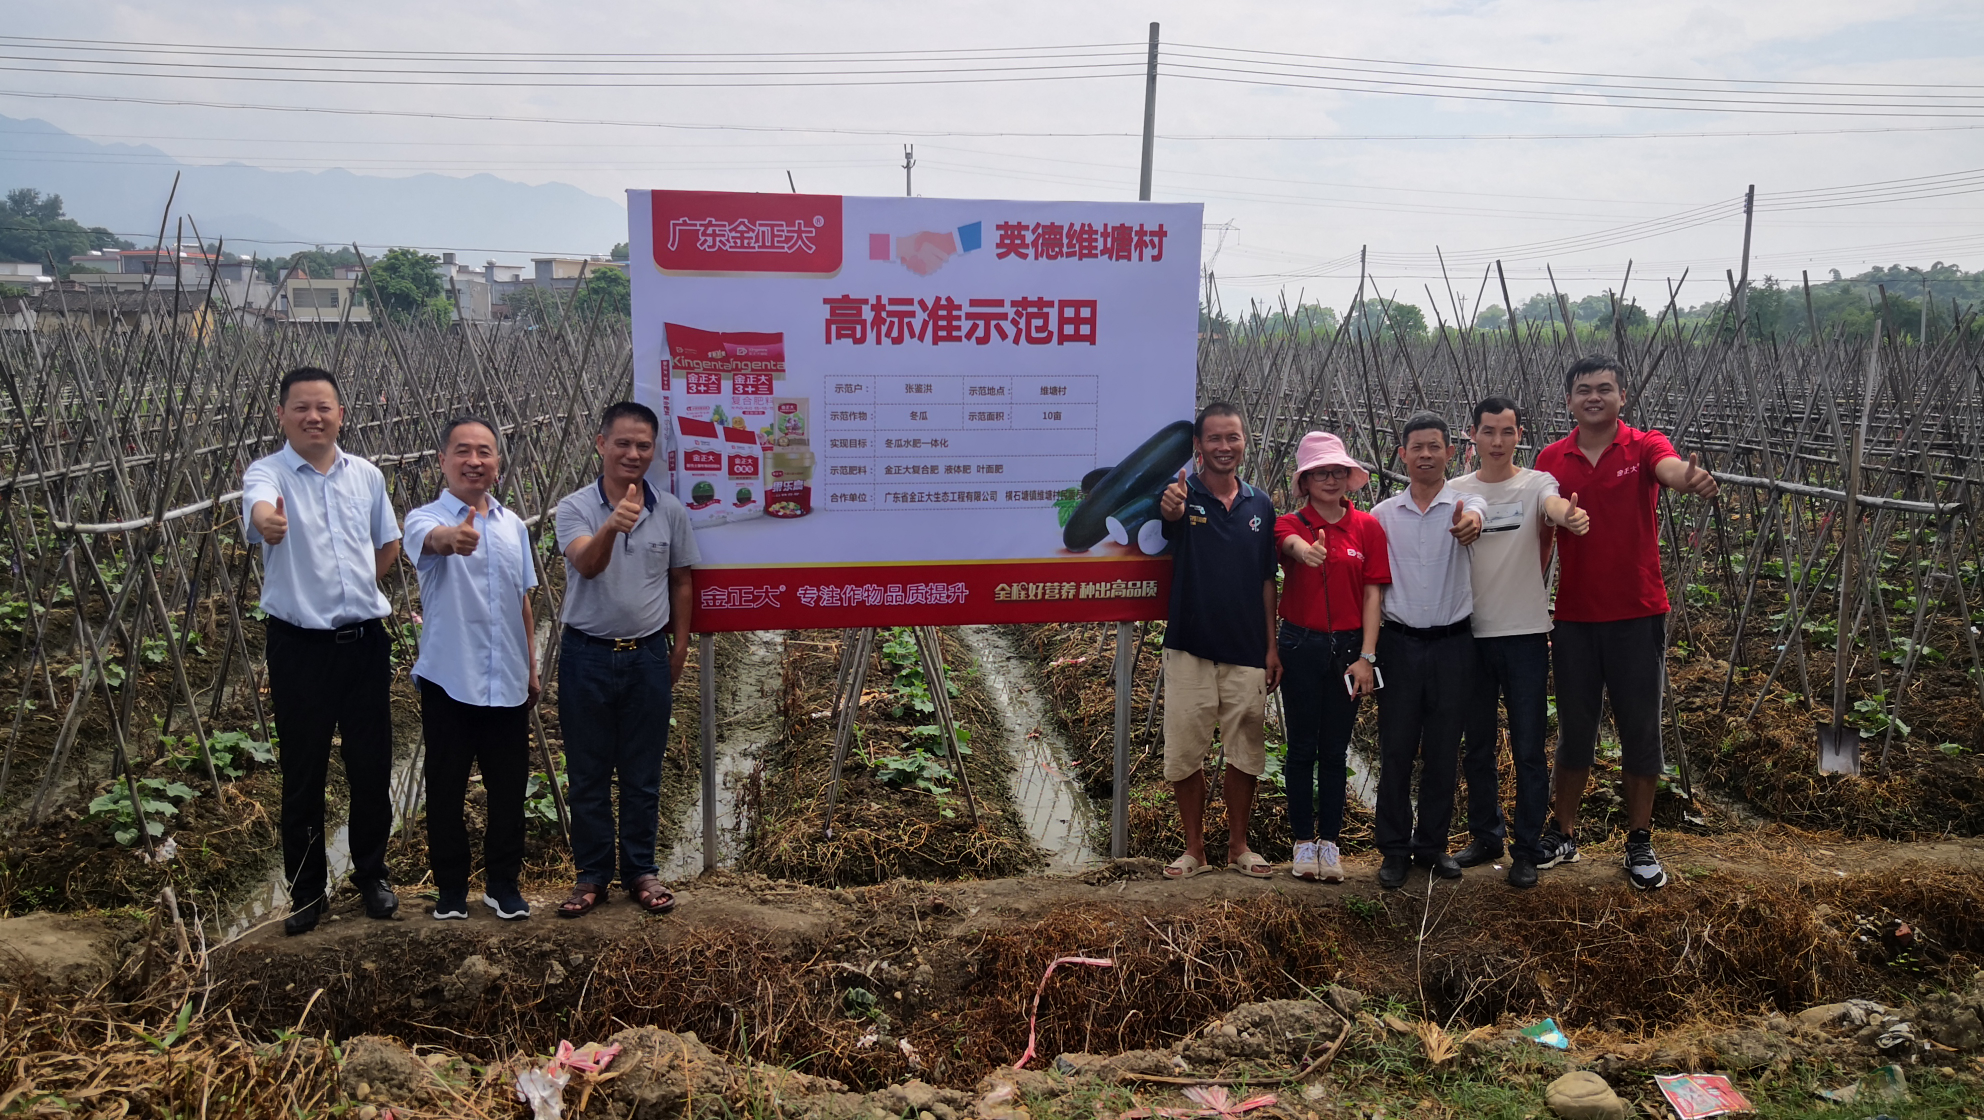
[{"x": 1625, "y": 660}]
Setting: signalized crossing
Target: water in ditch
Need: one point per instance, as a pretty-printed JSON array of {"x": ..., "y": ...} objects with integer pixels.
[
  {"x": 747, "y": 721},
  {"x": 269, "y": 899},
  {"x": 1057, "y": 813}
]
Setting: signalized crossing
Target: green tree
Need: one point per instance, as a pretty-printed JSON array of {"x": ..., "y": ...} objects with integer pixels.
[
  {"x": 619, "y": 252},
  {"x": 1399, "y": 320},
  {"x": 606, "y": 289},
  {"x": 316, "y": 263},
  {"x": 33, "y": 228},
  {"x": 1491, "y": 318},
  {"x": 409, "y": 290}
]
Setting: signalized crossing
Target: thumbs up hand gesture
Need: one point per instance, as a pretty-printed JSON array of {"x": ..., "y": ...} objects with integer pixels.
[
  {"x": 627, "y": 512},
  {"x": 463, "y": 538},
  {"x": 1577, "y": 520},
  {"x": 1698, "y": 481},
  {"x": 1467, "y": 525},
  {"x": 1172, "y": 504},
  {"x": 270, "y": 522}
]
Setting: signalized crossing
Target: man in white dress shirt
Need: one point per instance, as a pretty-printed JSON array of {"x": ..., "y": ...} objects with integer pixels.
[
  {"x": 477, "y": 670},
  {"x": 328, "y": 536},
  {"x": 1426, "y": 653}
]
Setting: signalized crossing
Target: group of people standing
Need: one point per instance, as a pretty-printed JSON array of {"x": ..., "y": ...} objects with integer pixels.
[
  {"x": 1437, "y": 601},
  {"x": 329, "y": 535}
]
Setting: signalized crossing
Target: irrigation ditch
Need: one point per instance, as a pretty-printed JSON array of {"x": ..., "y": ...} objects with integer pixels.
[{"x": 831, "y": 972}]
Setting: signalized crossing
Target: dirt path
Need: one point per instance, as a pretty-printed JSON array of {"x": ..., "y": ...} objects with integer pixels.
[{"x": 1700, "y": 866}]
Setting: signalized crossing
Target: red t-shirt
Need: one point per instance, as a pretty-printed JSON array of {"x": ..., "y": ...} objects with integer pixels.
[
  {"x": 1612, "y": 572},
  {"x": 1357, "y": 555}
]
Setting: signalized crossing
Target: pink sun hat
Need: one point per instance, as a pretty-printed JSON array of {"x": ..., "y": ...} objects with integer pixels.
[{"x": 1321, "y": 449}]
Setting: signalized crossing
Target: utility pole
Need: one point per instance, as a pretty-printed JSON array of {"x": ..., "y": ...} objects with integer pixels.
[
  {"x": 1128, "y": 647},
  {"x": 1150, "y": 116},
  {"x": 908, "y": 161},
  {"x": 1743, "y": 279}
]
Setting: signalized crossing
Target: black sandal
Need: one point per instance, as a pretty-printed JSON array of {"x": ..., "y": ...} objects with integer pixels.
[
  {"x": 580, "y": 902},
  {"x": 648, "y": 894}
]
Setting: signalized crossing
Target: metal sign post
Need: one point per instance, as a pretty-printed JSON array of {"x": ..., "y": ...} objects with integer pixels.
[
  {"x": 706, "y": 690},
  {"x": 1119, "y": 782}
]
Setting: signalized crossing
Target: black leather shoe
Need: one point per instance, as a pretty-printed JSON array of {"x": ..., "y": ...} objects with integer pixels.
[
  {"x": 303, "y": 919},
  {"x": 1478, "y": 852},
  {"x": 1391, "y": 873},
  {"x": 1442, "y": 865},
  {"x": 380, "y": 901},
  {"x": 1522, "y": 873}
]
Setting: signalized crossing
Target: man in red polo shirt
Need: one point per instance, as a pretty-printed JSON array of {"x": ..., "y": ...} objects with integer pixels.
[{"x": 1611, "y": 634}]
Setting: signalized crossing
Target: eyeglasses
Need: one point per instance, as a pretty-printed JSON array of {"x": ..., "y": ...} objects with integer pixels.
[{"x": 1331, "y": 474}]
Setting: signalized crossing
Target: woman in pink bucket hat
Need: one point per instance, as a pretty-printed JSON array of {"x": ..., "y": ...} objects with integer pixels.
[{"x": 1335, "y": 566}]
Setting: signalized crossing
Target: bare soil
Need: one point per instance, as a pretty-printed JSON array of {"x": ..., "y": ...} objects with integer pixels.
[{"x": 1769, "y": 923}]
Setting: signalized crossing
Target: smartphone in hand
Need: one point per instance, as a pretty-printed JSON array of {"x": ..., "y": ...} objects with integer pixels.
[{"x": 1350, "y": 685}]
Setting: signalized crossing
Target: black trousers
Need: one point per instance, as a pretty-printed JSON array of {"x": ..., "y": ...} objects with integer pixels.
[
  {"x": 497, "y": 740},
  {"x": 321, "y": 686},
  {"x": 1422, "y": 712}
]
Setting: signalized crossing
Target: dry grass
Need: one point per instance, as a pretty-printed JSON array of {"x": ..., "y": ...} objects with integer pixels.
[{"x": 879, "y": 832}]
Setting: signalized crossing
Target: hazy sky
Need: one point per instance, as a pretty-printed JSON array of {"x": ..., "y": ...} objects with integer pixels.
[{"x": 1329, "y": 168}]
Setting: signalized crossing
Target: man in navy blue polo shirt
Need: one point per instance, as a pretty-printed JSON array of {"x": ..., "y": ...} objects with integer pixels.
[{"x": 1220, "y": 660}]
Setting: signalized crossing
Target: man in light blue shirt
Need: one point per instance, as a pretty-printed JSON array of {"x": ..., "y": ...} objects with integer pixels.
[
  {"x": 477, "y": 669},
  {"x": 328, "y": 536},
  {"x": 1426, "y": 653}
]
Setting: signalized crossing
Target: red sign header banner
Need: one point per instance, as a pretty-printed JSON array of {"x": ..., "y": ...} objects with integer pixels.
[{"x": 720, "y": 233}]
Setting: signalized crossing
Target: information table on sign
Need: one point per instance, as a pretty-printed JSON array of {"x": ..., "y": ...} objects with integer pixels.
[
  {"x": 896, "y": 440},
  {"x": 917, "y": 411}
]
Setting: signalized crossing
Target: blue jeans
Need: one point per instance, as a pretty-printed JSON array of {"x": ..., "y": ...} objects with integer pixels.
[
  {"x": 613, "y": 706},
  {"x": 1321, "y": 717},
  {"x": 1514, "y": 669}
]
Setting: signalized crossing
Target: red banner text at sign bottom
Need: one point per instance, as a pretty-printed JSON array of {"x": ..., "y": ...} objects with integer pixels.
[{"x": 1128, "y": 589}]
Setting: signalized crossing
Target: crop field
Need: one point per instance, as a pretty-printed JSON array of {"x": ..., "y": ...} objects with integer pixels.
[{"x": 1838, "y": 569}]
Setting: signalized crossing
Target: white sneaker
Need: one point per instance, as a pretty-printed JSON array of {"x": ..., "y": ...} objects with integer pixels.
[
  {"x": 1305, "y": 861},
  {"x": 1331, "y": 862}
]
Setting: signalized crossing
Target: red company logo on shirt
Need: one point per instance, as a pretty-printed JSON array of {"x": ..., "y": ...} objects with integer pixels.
[
  {"x": 1624, "y": 471},
  {"x": 721, "y": 233}
]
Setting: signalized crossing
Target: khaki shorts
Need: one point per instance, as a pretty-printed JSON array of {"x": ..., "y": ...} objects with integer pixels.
[{"x": 1200, "y": 695}]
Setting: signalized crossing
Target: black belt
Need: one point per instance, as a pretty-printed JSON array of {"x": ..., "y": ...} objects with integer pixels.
[
  {"x": 1431, "y": 633},
  {"x": 1306, "y": 632},
  {"x": 343, "y": 635},
  {"x": 622, "y": 644}
]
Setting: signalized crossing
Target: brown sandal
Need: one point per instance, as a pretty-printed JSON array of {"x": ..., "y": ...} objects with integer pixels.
[
  {"x": 583, "y": 898},
  {"x": 648, "y": 893}
]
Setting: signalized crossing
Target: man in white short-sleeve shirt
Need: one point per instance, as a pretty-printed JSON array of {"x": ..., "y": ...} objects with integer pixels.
[
  {"x": 328, "y": 536},
  {"x": 1511, "y": 640}
]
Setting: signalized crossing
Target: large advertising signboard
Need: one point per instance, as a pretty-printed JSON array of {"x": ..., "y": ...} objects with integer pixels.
[{"x": 917, "y": 411}]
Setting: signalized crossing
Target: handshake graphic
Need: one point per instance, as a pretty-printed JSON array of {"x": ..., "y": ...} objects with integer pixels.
[{"x": 926, "y": 251}]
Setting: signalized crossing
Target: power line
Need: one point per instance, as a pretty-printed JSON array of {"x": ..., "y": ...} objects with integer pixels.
[{"x": 911, "y": 131}]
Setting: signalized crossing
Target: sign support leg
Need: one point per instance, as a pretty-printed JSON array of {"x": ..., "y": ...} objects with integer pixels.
[
  {"x": 1119, "y": 783},
  {"x": 706, "y": 690},
  {"x": 927, "y": 644},
  {"x": 857, "y": 648}
]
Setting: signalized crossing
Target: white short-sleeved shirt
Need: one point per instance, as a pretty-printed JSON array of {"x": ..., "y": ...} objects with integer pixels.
[
  {"x": 1510, "y": 596},
  {"x": 472, "y": 639},
  {"x": 325, "y": 574},
  {"x": 1430, "y": 582}
]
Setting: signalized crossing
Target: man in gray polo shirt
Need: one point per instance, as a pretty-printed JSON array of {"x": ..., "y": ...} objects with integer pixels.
[{"x": 628, "y": 550}]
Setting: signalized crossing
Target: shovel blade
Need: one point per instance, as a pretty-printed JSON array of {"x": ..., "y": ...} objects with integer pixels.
[{"x": 1839, "y": 749}]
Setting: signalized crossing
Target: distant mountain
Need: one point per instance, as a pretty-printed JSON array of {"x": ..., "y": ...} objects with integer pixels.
[{"x": 124, "y": 187}]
